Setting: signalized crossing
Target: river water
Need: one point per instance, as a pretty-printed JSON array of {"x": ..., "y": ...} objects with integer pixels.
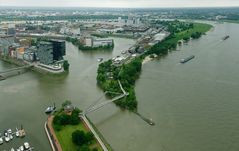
[{"x": 194, "y": 105}]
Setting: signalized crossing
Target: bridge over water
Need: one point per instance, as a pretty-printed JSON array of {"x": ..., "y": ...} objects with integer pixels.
[
  {"x": 93, "y": 107},
  {"x": 12, "y": 70}
]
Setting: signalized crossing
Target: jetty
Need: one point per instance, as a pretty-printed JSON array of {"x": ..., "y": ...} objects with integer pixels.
[{"x": 147, "y": 120}]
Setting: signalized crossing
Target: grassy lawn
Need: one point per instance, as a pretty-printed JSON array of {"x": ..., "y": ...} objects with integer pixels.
[
  {"x": 198, "y": 27},
  {"x": 65, "y": 139}
]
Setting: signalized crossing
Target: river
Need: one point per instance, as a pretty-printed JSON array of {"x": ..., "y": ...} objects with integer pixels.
[{"x": 194, "y": 105}]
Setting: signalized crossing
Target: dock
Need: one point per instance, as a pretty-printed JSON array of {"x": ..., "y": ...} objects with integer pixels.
[{"x": 9, "y": 135}]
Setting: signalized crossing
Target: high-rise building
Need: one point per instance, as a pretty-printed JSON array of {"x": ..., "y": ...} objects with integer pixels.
[
  {"x": 59, "y": 49},
  {"x": 51, "y": 51},
  {"x": 11, "y": 31},
  {"x": 45, "y": 52},
  {"x": 6, "y": 42}
]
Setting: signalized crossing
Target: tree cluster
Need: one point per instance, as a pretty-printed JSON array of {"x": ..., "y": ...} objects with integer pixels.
[
  {"x": 127, "y": 74},
  {"x": 63, "y": 119},
  {"x": 83, "y": 140},
  {"x": 66, "y": 65}
]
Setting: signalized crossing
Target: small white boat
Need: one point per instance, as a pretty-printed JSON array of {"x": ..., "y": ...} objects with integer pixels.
[
  {"x": 21, "y": 148},
  {"x": 100, "y": 59},
  {"x": 1, "y": 141},
  {"x": 7, "y": 139},
  {"x": 26, "y": 145},
  {"x": 5, "y": 133},
  {"x": 18, "y": 149},
  {"x": 12, "y": 149},
  {"x": 9, "y": 131},
  {"x": 10, "y": 136},
  {"x": 17, "y": 133},
  {"x": 50, "y": 109}
]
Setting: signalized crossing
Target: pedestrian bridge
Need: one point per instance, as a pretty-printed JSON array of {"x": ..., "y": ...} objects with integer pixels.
[
  {"x": 95, "y": 106},
  {"x": 14, "y": 69}
]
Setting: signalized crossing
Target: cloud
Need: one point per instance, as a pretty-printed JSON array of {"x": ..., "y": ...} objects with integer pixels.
[{"x": 121, "y": 3}]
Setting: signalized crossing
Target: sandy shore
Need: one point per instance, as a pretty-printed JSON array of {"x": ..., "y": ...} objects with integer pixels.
[{"x": 148, "y": 58}]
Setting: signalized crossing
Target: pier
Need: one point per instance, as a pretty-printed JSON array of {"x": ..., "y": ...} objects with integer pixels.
[{"x": 149, "y": 121}]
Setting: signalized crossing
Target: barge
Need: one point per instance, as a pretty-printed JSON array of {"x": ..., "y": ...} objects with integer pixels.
[
  {"x": 226, "y": 37},
  {"x": 187, "y": 59}
]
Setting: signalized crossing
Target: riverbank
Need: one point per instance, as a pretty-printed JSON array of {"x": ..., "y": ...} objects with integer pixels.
[
  {"x": 231, "y": 21},
  {"x": 149, "y": 58},
  {"x": 36, "y": 68},
  {"x": 80, "y": 46},
  {"x": 62, "y": 140},
  {"x": 128, "y": 73},
  {"x": 55, "y": 145}
]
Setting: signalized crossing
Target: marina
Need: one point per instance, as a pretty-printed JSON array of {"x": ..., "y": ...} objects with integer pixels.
[
  {"x": 9, "y": 135},
  {"x": 25, "y": 147}
]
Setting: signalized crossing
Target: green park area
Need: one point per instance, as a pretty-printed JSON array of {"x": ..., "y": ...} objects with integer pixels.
[{"x": 71, "y": 132}]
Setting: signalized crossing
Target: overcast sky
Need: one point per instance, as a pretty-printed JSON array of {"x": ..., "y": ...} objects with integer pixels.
[{"x": 120, "y": 3}]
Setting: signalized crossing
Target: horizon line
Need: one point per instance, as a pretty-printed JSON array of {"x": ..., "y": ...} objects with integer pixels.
[{"x": 118, "y": 7}]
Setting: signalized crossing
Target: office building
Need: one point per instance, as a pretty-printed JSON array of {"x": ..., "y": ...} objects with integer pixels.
[
  {"x": 51, "y": 51},
  {"x": 45, "y": 52}
]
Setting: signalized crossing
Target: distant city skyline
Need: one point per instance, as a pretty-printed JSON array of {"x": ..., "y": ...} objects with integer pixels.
[{"x": 121, "y": 3}]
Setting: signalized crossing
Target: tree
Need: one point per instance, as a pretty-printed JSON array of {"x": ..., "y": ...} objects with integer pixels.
[
  {"x": 89, "y": 136},
  {"x": 75, "y": 117},
  {"x": 78, "y": 137},
  {"x": 84, "y": 148},
  {"x": 62, "y": 119},
  {"x": 66, "y": 65},
  {"x": 65, "y": 119},
  {"x": 67, "y": 102}
]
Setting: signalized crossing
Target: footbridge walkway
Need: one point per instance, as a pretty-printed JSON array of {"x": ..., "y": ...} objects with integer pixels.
[
  {"x": 93, "y": 107},
  {"x": 15, "y": 69}
]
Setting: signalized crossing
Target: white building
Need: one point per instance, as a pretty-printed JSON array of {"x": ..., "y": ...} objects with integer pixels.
[
  {"x": 110, "y": 31},
  {"x": 88, "y": 41},
  {"x": 70, "y": 31},
  {"x": 102, "y": 42}
]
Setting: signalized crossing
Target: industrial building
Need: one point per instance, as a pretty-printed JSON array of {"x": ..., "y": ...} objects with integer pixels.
[{"x": 101, "y": 42}]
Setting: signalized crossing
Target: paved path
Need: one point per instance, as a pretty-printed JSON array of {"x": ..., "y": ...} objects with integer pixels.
[
  {"x": 53, "y": 135},
  {"x": 93, "y": 131}
]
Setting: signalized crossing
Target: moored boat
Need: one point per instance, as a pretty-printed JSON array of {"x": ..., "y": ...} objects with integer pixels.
[
  {"x": 1, "y": 141},
  {"x": 50, "y": 109},
  {"x": 100, "y": 59},
  {"x": 26, "y": 145}
]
